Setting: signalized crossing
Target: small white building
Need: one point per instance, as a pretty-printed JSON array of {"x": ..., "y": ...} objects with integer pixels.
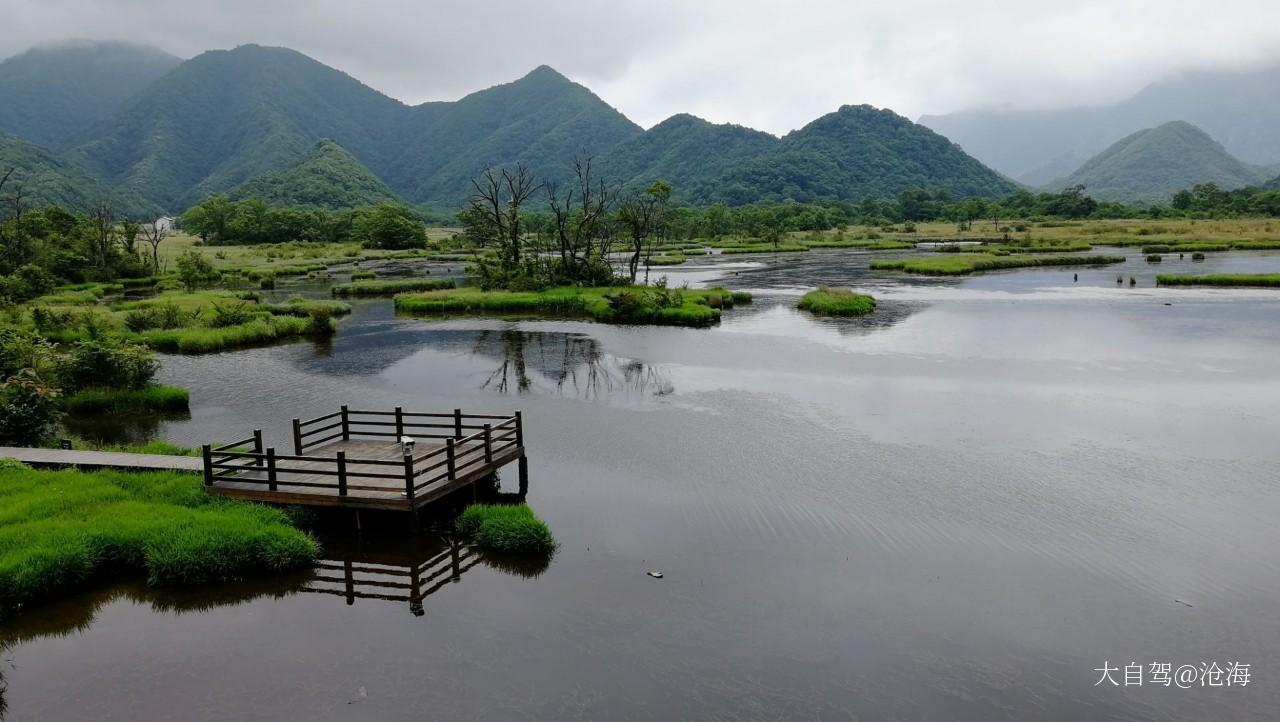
[{"x": 164, "y": 223}]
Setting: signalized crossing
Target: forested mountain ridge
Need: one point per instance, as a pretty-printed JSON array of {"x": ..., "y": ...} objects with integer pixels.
[
  {"x": 250, "y": 118},
  {"x": 41, "y": 178},
  {"x": 328, "y": 177},
  {"x": 51, "y": 94},
  {"x": 1151, "y": 165}
]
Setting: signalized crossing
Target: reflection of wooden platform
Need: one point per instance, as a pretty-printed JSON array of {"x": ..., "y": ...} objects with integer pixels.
[
  {"x": 335, "y": 464},
  {"x": 373, "y": 576}
]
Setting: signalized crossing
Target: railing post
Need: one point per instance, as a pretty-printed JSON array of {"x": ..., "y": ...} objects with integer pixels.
[
  {"x": 271, "y": 468},
  {"x": 346, "y": 424},
  {"x": 457, "y": 423},
  {"x": 257, "y": 445},
  {"x": 449, "y": 457},
  {"x": 342, "y": 473},
  {"x": 408, "y": 476},
  {"x": 519, "y": 430},
  {"x": 297, "y": 437},
  {"x": 399, "y": 423},
  {"x": 488, "y": 443},
  {"x": 207, "y": 452}
]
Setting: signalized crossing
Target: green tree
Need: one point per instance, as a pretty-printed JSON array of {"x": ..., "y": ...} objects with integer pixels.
[
  {"x": 389, "y": 226},
  {"x": 195, "y": 271}
]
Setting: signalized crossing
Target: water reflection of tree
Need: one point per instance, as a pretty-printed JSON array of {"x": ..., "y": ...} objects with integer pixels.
[{"x": 570, "y": 363}]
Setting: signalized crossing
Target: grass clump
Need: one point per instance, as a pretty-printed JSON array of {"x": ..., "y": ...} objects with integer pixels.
[
  {"x": 391, "y": 287},
  {"x": 303, "y": 307},
  {"x": 1223, "y": 280},
  {"x": 201, "y": 339},
  {"x": 825, "y": 301},
  {"x": 363, "y": 275},
  {"x": 61, "y": 529},
  {"x": 975, "y": 263},
  {"x": 151, "y": 398},
  {"x": 506, "y": 528}
]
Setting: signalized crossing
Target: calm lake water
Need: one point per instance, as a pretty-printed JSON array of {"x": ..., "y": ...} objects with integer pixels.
[{"x": 955, "y": 509}]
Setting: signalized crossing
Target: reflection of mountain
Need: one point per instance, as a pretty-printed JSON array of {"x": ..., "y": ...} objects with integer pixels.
[{"x": 564, "y": 364}]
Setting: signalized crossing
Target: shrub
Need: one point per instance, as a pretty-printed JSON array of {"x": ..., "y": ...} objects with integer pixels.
[
  {"x": 363, "y": 275},
  {"x": 105, "y": 363},
  {"x": 1154, "y": 258},
  {"x": 195, "y": 271},
  {"x": 29, "y": 410},
  {"x": 506, "y": 528},
  {"x": 232, "y": 314}
]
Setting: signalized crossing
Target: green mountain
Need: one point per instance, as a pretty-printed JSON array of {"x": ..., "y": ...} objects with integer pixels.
[
  {"x": 542, "y": 120},
  {"x": 1241, "y": 108},
  {"x": 1151, "y": 165},
  {"x": 249, "y": 119},
  {"x": 689, "y": 152},
  {"x": 47, "y": 179},
  {"x": 228, "y": 115},
  {"x": 858, "y": 152},
  {"x": 51, "y": 94},
  {"x": 327, "y": 177}
]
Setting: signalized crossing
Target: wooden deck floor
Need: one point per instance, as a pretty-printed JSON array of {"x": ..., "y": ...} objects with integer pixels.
[
  {"x": 385, "y": 494},
  {"x": 101, "y": 459}
]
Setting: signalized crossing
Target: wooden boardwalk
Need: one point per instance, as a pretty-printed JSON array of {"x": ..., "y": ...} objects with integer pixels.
[
  {"x": 355, "y": 459},
  {"x": 101, "y": 459}
]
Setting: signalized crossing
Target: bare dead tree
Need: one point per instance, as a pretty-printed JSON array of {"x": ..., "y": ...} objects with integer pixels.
[
  {"x": 581, "y": 222},
  {"x": 636, "y": 213},
  {"x": 154, "y": 234},
  {"x": 493, "y": 215}
]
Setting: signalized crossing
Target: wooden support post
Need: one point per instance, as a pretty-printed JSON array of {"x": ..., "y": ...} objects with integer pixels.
[
  {"x": 257, "y": 446},
  {"x": 399, "y": 423},
  {"x": 349, "y": 577},
  {"x": 457, "y": 423},
  {"x": 415, "y": 589},
  {"x": 519, "y": 430},
  {"x": 524, "y": 476},
  {"x": 408, "y": 478},
  {"x": 449, "y": 458},
  {"x": 488, "y": 443},
  {"x": 346, "y": 424},
  {"x": 207, "y": 452},
  {"x": 342, "y": 473},
  {"x": 455, "y": 561},
  {"x": 297, "y": 437},
  {"x": 271, "y": 468}
]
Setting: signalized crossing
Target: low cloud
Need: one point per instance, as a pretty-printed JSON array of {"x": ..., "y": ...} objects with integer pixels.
[{"x": 772, "y": 66}]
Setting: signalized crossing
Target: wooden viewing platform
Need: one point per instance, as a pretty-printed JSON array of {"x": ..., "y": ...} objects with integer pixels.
[{"x": 354, "y": 459}]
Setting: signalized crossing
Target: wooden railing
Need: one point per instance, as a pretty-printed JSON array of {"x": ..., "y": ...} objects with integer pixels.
[{"x": 458, "y": 457}]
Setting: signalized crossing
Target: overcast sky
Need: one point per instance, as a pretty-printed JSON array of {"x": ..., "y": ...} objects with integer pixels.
[{"x": 769, "y": 65}]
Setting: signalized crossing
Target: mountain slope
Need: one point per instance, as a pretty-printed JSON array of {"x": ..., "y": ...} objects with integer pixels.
[
  {"x": 542, "y": 120},
  {"x": 689, "y": 152},
  {"x": 50, "y": 94},
  {"x": 1151, "y": 165},
  {"x": 858, "y": 152},
  {"x": 1239, "y": 108},
  {"x": 328, "y": 177},
  {"x": 46, "y": 179},
  {"x": 228, "y": 115}
]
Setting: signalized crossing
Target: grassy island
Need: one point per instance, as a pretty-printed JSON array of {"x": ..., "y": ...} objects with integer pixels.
[
  {"x": 150, "y": 398},
  {"x": 825, "y": 301},
  {"x": 59, "y": 530},
  {"x": 623, "y": 304},
  {"x": 1224, "y": 280},
  {"x": 391, "y": 287},
  {"x": 963, "y": 264}
]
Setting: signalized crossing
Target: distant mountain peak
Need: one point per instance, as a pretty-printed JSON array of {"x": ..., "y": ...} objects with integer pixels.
[{"x": 1150, "y": 165}]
